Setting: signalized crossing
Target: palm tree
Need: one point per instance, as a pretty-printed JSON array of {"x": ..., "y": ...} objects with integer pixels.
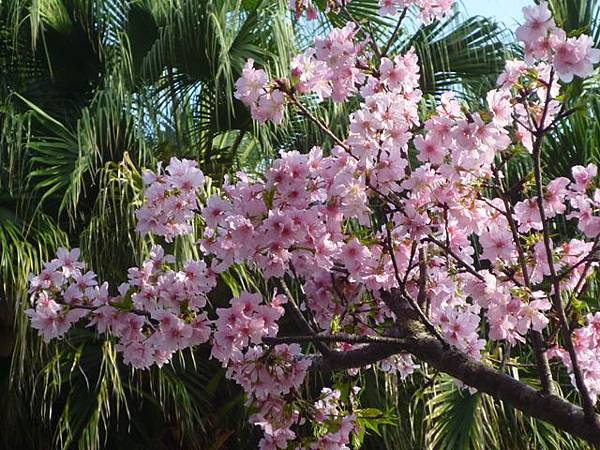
[
  {"x": 95, "y": 91},
  {"x": 91, "y": 92}
]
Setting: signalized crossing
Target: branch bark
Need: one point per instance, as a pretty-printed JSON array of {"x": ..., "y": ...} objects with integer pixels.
[{"x": 413, "y": 339}]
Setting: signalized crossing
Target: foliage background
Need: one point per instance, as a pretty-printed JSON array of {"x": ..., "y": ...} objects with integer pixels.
[{"x": 91, "y": 92}]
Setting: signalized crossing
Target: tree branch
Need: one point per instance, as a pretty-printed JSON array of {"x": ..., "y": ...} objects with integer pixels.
[
  {"x": 319, "y": 123},
  {"x": 457, "y": 258},
  {"x": 395, "y": 33},
  {"x": 346, "y": 338},
  {"x": 588, "y": 404},
  {"x": 301, "y": 320},
  {"x": 368, "y": 32},
  {"x": 544, "y": 372},
  {"x": 415, "y": 306},
  {"x": 549, "y": 408}
]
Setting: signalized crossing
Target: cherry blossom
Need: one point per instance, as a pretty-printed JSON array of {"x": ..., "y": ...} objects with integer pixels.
[
  {"x": 171, "y": 199},
  {"x": 587, "y": 342},
  {"x": 408, "y": 218},
  {"x": 570, "y": 56},
  {"x": 538, "y": 21}
]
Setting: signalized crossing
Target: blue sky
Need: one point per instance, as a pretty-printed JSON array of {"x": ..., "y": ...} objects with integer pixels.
[{"x": 508, "y": 11}]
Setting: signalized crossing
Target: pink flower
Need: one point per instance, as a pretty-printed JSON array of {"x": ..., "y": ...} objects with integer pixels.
[
  {"x": 388, "y": 7},
  {"x": 299, "y": 6},
  {"x": 538, "y": 21},
  {"x": 459, "y": 327},
  {"x": 251, "y": 85},
  {"x": 214, "y": 210},
  {"x": 527, "y": 214},
  {"x": 431, "y": 10},
  {"x": 531, "y": 315},
  {"x": 137, "y": 354},
  {"x": 247, "y": 321},
  {"x": 554, "y": 199},
  {"x": 500, "y": 106},
  {"x": 311, "y": 74},
  {"x": 73, "y": 294},
  {"x": 575, "y": 57},
  {"x": 69, "y": 261},
  {"x": 83, "y": 281},
  {"x": 49, "y": 277},
  {"x": 403, "y": 72},
  {"x": 170, "y": 201},
  {"x": 354, "y": 255},
  {"x": 269, "y": 107},
  {"x": 511, "y": 74},
  {"x": 497, "y": 243},
  {"x": 587, "y": 346},
  {"x": 429, "y": 150},
  {"x": 402, "y": 363},
  {"x": 52, "y": 321},
  {"x": 184, "y": 175},
  {"x": 583, "y": 176},
  {"x": 103, "y": 318}
]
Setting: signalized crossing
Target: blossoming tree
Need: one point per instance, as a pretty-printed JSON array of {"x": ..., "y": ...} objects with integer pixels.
[{"x": 404, "y": 242}]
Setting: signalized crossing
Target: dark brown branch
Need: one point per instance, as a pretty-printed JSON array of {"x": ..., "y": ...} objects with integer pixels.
[
  {"x": 549, "y": 408},
  {"x": 346, "y": 338},
  {"x": 588, "y": 405}
]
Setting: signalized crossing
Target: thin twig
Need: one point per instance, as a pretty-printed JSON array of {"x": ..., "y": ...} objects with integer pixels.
[
  {"x": 319, "y": 123},
  {"x": 301, "y": 320},
  {"x": 394, "y": 34},
  {"x": 588, "y": 404},
  {"x": 369, "y": 32},
  {"x": 458, "y": 259},
  {"x": 430, "y": 327},
  {"x": 544, "y": 372}
]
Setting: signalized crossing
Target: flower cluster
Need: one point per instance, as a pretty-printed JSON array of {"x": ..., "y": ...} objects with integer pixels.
[
  {"x": 570, "y": 56},
  {"x": 401, "y": 363},
  {"x": 59, "y": 290},
  {"x": 408, "y": 215},
  {"x": 330, "y": 68},
  {"x": 158, "y": 312},
  {"x": 531, "y": 81},
  {"x": 268, "y": 377},
  {"x": 301, "y": 6},
  {"x": 382, "y": 124},
  {"x": 253, "y": 89},
  {"x": 429, "y": 10},
  {"x": 247, "y": 321},
  {"x": 266, "y": 374},
  {"x": 170, "y": 199},
  {"x": 309, "y": 198},
  {"x": 510, "y": 313},
  {"x": 441, "y": 201},
  {"x": 328, "y": 410},
  {"x": 587, "y": 347}
]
